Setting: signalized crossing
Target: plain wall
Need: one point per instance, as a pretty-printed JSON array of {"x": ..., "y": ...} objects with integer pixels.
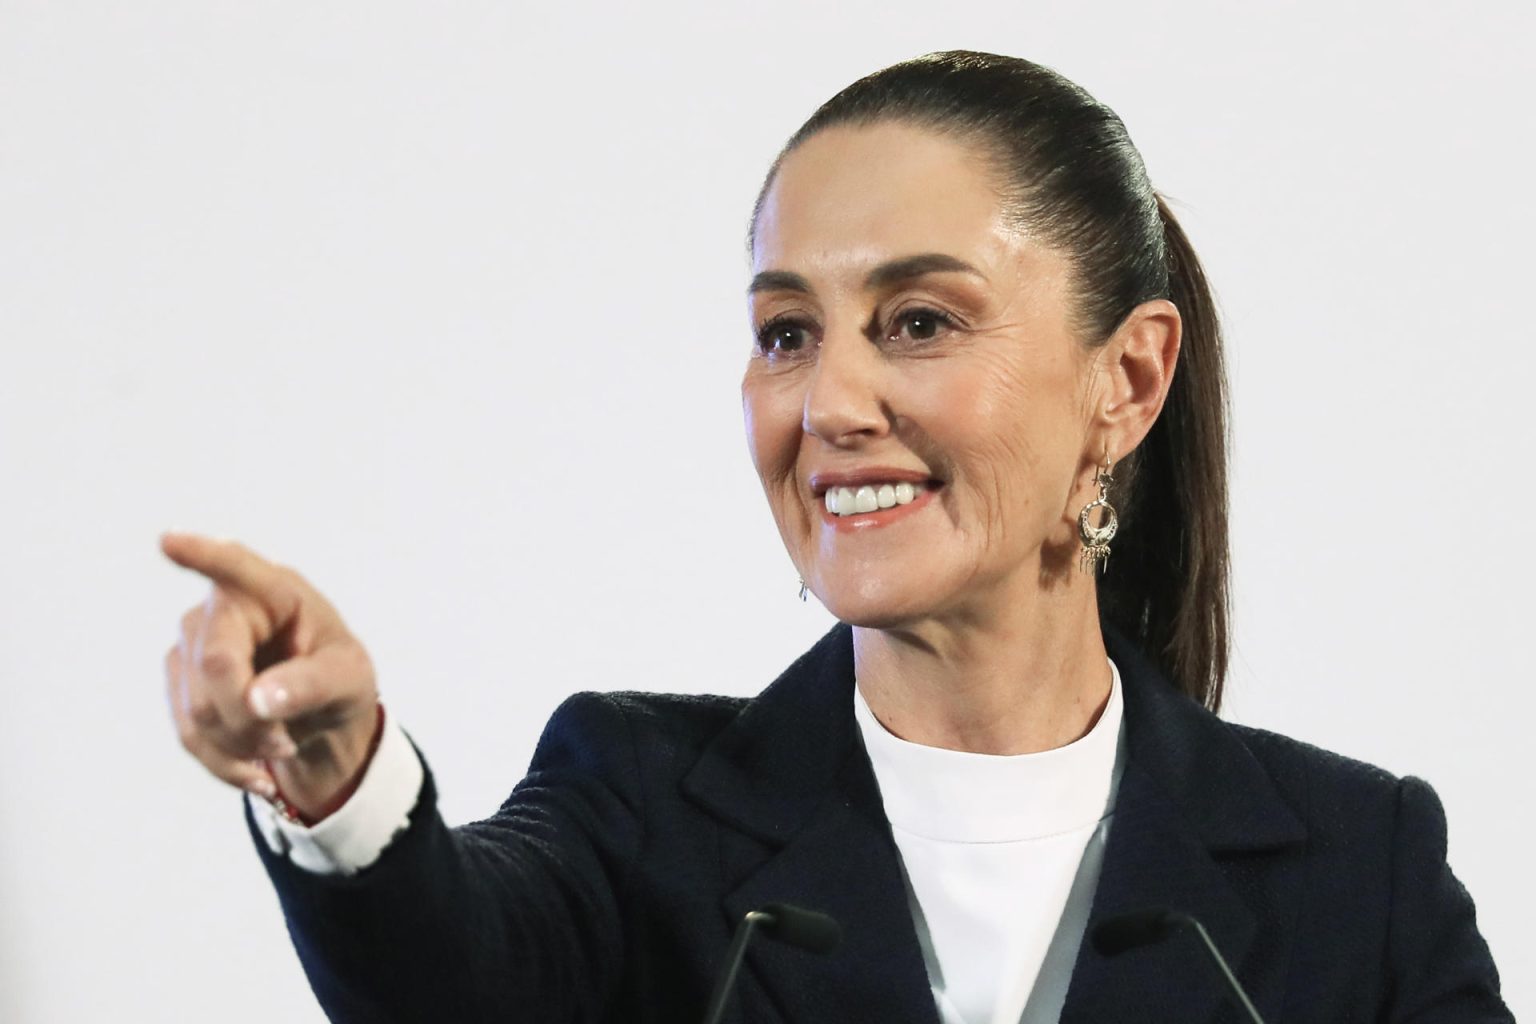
[{"x": 443, "y": 304}]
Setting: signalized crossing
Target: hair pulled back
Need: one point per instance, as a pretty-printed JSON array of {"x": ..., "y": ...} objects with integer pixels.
[{"x": 1070, "y": 174}]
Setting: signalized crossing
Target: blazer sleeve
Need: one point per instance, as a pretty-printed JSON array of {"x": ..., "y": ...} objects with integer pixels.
[
  {"x": 516, "y": 914},
  {"x": 1440, "y": 967}
]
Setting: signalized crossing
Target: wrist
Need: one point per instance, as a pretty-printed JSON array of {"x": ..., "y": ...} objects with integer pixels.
[{"x": 327, "y": 771}]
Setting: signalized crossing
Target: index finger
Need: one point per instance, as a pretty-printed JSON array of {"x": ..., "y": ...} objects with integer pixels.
[{"x": 229, "y": 564}]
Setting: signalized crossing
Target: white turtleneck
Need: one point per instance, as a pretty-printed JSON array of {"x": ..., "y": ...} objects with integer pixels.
[{"x": 1001, "y": 856}]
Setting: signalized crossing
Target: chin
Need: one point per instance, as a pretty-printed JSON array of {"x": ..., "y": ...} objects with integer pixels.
[{"x": 878, "y": 604}]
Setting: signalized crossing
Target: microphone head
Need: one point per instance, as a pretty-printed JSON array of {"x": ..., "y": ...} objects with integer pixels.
[
  {"x": 1114, "y": 935},
  {"x": 809, "y": 930}
]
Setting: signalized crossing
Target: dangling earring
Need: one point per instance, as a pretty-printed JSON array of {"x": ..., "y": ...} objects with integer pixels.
[
  {"x": 803, "y": 589},
  {"x": 1096, "y": 538}
]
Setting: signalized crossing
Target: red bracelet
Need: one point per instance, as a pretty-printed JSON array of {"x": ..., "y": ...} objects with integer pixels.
[{"x": 282, "y": 806}]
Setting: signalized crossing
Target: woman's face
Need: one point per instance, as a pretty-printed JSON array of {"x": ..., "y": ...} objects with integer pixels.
[{"x": 914, "y": 353}]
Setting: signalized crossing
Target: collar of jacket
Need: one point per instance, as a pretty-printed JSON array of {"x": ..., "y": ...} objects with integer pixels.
[{"x": 790, "y": 771}]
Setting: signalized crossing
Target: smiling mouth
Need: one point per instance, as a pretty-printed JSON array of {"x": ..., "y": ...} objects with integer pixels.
[{"x": 842, "y": 502}]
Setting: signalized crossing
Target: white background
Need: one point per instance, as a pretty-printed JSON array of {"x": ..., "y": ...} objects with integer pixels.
[{"x": 442, "y": 303}]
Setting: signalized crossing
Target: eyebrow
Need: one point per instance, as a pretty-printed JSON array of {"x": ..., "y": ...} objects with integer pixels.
[{"x": 904, "y": 268}]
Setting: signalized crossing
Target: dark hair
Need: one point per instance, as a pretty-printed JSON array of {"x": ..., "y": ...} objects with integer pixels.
[{"x": 1070, "y": 173}]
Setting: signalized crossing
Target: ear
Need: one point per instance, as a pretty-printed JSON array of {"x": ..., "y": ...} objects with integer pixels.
[{"x": 1137, "y": 362}]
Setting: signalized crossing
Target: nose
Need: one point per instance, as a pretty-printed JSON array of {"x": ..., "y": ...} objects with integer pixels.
[{"x": 844, "y": 403}]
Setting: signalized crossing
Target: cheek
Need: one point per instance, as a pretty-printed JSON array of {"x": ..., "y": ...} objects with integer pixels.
[
  {"x": 1010, "y": 426},
  {"x": 772, "y": 414}
]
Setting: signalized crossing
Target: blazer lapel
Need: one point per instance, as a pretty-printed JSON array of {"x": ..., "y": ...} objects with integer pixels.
[
  {"x": 1198, "y": 828},
  {"x": 791, "y": 775}
]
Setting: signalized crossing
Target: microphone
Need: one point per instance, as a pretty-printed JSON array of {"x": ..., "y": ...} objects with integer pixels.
[
  {"x": 1115, "y": 935},
  {"x": 809, "y": 930}
]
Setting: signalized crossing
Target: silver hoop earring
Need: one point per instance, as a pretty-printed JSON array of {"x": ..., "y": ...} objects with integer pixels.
[{"x": 1096, "y": 538}]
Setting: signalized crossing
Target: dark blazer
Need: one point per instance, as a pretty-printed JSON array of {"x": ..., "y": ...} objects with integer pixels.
[{"x": 607, "y": 886}]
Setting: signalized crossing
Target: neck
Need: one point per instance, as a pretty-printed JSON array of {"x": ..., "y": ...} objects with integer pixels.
[{"x": 1029, "y": 673}]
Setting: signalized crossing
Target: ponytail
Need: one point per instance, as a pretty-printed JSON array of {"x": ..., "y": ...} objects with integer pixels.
[{"x": 1169, "y": 588}]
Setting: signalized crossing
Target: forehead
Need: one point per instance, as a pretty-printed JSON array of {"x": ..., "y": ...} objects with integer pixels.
[{"x": 849, "y": 197}]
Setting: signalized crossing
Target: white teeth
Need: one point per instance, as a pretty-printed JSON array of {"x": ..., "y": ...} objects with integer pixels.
[{"x": 851, "y": 501}]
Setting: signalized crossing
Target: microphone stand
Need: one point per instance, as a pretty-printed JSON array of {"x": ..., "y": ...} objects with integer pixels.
[
  {"x": 733, "y": 958},
  {"x": 809, "y": 930},
  {"x": 1114, "y": 935},
  {"x": 1221, "y": 962}
]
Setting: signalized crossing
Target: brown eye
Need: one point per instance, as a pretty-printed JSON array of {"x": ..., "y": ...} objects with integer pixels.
[
  {"x": 782, "y": 336},
  {"x": 919, "y": 325}
]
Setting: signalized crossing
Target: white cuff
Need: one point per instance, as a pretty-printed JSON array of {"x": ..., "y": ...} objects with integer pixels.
[{"x": 353, "y": 836}]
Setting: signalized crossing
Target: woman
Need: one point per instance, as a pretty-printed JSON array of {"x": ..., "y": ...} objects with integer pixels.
[{"x": 982, "y": 342}]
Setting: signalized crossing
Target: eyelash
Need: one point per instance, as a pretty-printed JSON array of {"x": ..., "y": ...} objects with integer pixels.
[{"x": 766, "y": 330}]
